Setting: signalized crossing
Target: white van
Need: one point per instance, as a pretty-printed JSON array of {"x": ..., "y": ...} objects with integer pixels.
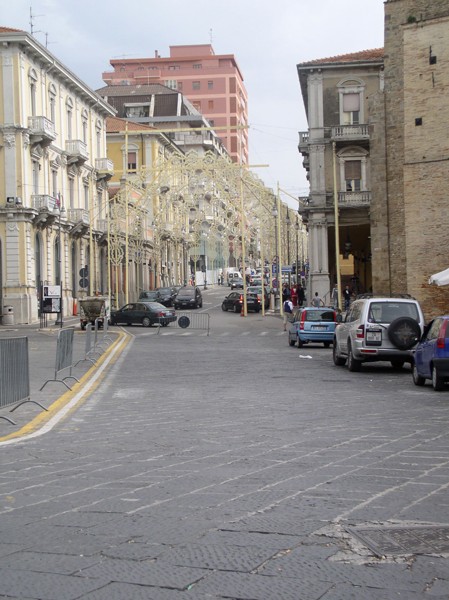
[{"x": 233, "y": 275}]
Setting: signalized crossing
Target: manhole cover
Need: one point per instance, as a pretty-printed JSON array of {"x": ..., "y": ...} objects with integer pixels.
[
  {"x": 419, "y": 539},
  {"x": 183, "y": 321}
]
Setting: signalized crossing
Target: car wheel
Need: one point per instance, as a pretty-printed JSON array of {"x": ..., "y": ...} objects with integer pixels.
[
  {"x": 339, "y": 361},
  {"x": 354, "y": 365},
  {"x": 417, "y": 379},
  {"x": 236, "y": 308},
  {"x": 299, "y": 342},
  {"x": 437, "y": 381},
  {"x": 146, "y": 321},
  {"x": 397, "y": 364},
  {"x": 290, "y": 341},
  {"x": 223, "y": 307},
  {"x": 326, "y": 344},
  {"x": 129, "y": 324},
  {"x": 404, "y": 333}
]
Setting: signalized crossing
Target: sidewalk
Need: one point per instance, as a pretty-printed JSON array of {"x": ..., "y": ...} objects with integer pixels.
[{"x": 42, "y": 344}]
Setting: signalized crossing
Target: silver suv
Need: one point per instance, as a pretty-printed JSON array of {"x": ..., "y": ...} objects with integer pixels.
[{"x": 376, "y": 329}]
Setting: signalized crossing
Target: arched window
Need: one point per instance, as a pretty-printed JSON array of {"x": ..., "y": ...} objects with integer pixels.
[
  {"x": 69, "y": 108},
  {"x": 38, "y": 260},
  {"x": 73, "y": 268},
  {"x": 52, "y": 102},
  {"x": 57, "y": 265},
  {"x": 351, "y": 94},
  {"x": 353, "y": 163},
  {"x": 32, "y": 78}
]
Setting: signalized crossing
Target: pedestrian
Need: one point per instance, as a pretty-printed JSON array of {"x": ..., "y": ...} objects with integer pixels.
[
  {"x": 347, "y": 297},
  {"x": 294, "y": 295},
  {"x": 288, "y": 310},
  {"x": 285, "y": 292},
  {"x": 301, "y": 295},
  {"x": 317, "y": 301}
]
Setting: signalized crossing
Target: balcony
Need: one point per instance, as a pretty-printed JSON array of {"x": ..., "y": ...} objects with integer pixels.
[
  {"x": 303, "y": 145},
  {"x": 42, "y": 130},
  {"x": 76, "y": 151},
  {"x": 104, "y": 167},
  {"x": 350, "y": 133},
  {"x": 80, "y": 219},
  {"x": 45, "y": 206},
  {"x": 354, "y": 199}
]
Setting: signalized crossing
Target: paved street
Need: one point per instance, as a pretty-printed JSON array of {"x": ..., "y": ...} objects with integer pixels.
[{"x": 231, "y": 466}]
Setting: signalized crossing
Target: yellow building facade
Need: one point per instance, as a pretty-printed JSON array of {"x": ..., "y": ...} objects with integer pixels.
[{"x": 53, "y": 180}]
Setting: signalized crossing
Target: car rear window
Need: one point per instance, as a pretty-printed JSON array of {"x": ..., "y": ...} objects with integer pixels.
[
  {"x": 320, "y": 315},
  {"x": 387, "y": 312}
]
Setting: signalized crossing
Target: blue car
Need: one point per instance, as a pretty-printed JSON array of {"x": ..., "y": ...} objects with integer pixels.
[
  {"x": 431, "y": 355},
  {"x": 313, "y": 325}
]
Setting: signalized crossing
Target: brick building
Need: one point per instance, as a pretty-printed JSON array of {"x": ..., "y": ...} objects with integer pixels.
[
  {"x": 212, "y": 82},
  {"x": 402, "y": 235}
]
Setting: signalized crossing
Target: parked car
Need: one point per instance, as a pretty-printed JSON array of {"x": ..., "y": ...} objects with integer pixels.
[
  {"x": 168, "y": 295},
  {"x": 431, "y": 355},
  {"x": 236, "y": 283},
  {"x": 313, "y": 325},
  {"x": 189, "y": 297},
  {"x": 378, "y": 329},
  {"x": 143, "y": 313},
  {"x": 257, "y": 289},
  {"x": 150, "y": 296},
  {"x": 234, "y": 301},
  {"x": 231, "y": 276}
]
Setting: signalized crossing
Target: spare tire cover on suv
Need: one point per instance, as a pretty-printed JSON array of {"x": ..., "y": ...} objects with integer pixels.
[{"x": 404, "y": 333}]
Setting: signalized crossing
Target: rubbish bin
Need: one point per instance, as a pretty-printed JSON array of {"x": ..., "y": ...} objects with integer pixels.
[{"x": 8, "y": 315}]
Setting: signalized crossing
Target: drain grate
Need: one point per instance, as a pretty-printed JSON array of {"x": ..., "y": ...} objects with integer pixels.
[{"x": 419, "y": 539}]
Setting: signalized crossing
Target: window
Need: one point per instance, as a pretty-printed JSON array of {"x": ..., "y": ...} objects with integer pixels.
[
  {"x": 54, "y": 183},
  {"x": 197, "y": 66},
  {"x": 353, "y": 175},
  {"x": 35, "y": 168},
  {"x": 69, "y": 108},
  {"x": 32, "y": 78},
  {"x": 179, "y": 85},
  {"x": 351, "y": 109},
  {"x": 138, "y": 112},
  {"x": 210, "y": 85},
  {"x": 72, "y": 193},
  {"x": 210, "y": 105},
  {"x": 52, "y": 109},
  {"x": 132, "y": 161},
  {"x": 173, "y": 67},
  {"x": 196, "y": 85},
  {"x": 171, "y": 83},
  {"x": 86, "y": 197}
]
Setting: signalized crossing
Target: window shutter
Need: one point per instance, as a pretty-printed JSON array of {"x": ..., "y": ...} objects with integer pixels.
[
  {"x": 353, "y": 169},
  {"x": 351, "y": 102}
]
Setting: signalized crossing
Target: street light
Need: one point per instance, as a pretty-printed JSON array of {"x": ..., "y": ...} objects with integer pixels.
[
  {"x": 61, "y": 213},
  {"x": 297, "y": 250},
  {"x": 287, "y": 222},
  {"x": 274, "y": 212}
]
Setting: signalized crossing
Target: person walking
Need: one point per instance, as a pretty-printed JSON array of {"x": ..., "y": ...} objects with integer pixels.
[
  {"x": 317, "y": 301},
  {"x": 347, "y": 297},
  {"x": 301, "y": 295},
  {"x": 288, "y": 310}
]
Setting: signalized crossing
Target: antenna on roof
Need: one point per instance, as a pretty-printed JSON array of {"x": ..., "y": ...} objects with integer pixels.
[
  {"x": 210, "y": 36},
  {"x": 31, "y": 21}
]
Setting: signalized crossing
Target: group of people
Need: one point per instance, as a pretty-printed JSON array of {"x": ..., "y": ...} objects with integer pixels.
[{"x": 291, "y": 297}]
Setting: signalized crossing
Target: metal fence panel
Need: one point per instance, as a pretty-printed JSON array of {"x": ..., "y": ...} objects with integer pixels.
[
  {"x": 64, "y": 349},
  {"x": 14, "y": 371},
  {"x": 192, "y": 320}
]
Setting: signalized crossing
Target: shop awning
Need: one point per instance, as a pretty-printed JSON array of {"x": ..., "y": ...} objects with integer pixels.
[{"x": 441, "y": 278}]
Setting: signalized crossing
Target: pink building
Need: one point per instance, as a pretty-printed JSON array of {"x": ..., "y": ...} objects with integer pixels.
[{"x": 213, "y": 84}]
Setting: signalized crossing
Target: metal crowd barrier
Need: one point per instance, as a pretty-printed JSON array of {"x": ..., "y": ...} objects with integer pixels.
[
  {"x": 89, "y": 347},
  {"x": 191, "y": 320},
  {"x": 14, "y": 374},
  {"x": 64, "y": 357}
]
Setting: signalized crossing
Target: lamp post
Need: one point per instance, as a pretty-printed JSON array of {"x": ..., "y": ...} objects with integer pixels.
[
  {"x": 274, "y": 212},
  {"x": 297, "y": 250},
  {"x": 287, "y": 222},
  {"x": 61, "y": 213}
]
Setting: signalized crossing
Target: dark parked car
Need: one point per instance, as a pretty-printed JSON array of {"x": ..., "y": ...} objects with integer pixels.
[
  {"x": 257, "y": 289},
  {"x": 236, "y": 282},
  {"x": 234, "y": 301},
  {"x": 143, "y": 313},
  {"x": 168, "y": 295},
  {"x": 150, "y": 296},
  {"x": 313, "y": 325},
  {"x": 431, "y": 355},
  {"x": 189, "y": 297}
]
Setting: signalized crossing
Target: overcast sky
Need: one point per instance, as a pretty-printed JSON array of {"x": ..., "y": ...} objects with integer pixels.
[{"x": 267, "y": 37}]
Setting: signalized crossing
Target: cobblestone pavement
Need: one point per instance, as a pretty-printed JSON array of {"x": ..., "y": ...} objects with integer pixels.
[{"x": 231, "y": 466}]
